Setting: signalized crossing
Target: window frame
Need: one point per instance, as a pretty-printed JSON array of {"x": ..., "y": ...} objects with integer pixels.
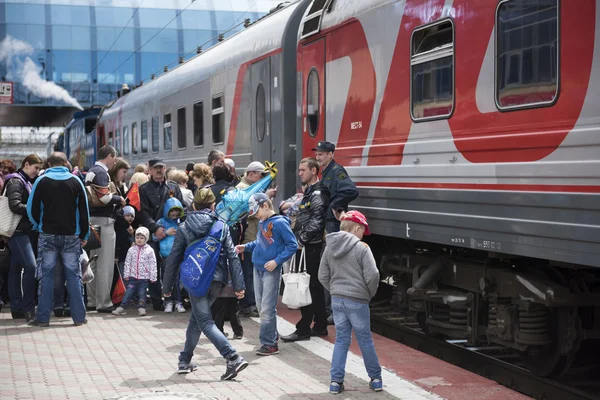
[
  {"x": 558, "y": 53},
  {"x": 144, "y": 124},
  {"x": 157, "y": 135},
  {"x": 170, "y": 123},
  {"x": 429, "y": 56},
  {"x": 134, "y": 144},
  {"x": 201, "y": 103},
  {"x": 218, "y": 111},
  {"x": 308, "y": 130},
  {"x": 126, "y": 141},
  {"x": 265, "y": 126},
  {"x": 179, "y": 147}
]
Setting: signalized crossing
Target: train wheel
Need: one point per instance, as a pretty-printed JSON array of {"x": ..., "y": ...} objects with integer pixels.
[{"x": 555, "y": 358}]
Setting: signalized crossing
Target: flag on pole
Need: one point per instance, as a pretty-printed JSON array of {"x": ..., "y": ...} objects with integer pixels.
[{"x": 134, "y": 197}]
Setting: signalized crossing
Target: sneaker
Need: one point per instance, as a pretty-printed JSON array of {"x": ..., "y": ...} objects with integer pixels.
[
  {"x": 233, "y": 368},
  {"x": 186, "y": 367},
  {"x": 35, "y": 322},
  {"x": 119, "y": 311},
  {"x": 376, "y": 385},
  {"x": 80, "y": 323},
  {"x": 336, "y": 387},
  {"x": 141, "y": 311},
  {"x": 169, "y": 307},
  {"x": 179, "y": 308},
  {"x": 238, "y": 336},
  {"x": 267, "y": 350}
]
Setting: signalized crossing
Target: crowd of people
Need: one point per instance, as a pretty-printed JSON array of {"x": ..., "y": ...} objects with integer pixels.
[{"x": 138, "y": 232}]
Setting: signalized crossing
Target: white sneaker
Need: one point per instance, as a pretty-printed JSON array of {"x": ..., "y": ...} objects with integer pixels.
[
  {"x": 119, "y": 311},
  {"x": 141, "y": 311},
  {"x": 180, "y": 308},
  {"x": 169, "y": 307}
]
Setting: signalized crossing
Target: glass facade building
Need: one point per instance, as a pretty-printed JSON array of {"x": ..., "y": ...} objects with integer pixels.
[{"x": 92, "y": 47}]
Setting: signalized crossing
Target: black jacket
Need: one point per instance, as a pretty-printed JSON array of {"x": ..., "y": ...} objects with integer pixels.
[
  {"x": 341, "y": 188},
  {"x": 17, "y": 196},
  {"x": 196, "y": 226},
  {"x": 153, "y": 196},
  {"x": 311, "y": 218}
]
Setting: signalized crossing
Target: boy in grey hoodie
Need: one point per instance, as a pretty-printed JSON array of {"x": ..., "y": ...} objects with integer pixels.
[{"x": 348, "y": 271}]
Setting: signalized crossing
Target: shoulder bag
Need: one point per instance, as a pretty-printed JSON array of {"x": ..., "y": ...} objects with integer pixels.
[{"x": 297, "y": 284}]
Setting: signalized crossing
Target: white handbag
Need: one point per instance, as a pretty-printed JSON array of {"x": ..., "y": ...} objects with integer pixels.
[
  {"x": 8, "y": 219},
  {"x": 297, "y": 284}
]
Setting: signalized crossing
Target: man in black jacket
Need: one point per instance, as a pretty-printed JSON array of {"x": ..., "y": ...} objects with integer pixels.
[
  {"x": 153, "y": 196},
  {"x": 309, "y": 230},
  {"x": 63, "y": 223}
]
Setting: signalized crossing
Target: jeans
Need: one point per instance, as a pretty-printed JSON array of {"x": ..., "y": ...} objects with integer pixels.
[
  {"x": 50, "y": 247},
  {"x": 201, "y": 322},
  {"x": 227, "y": 307},
  {"x": 266, "y": 290},
  {"x": 316, "y": 310},
  {"x": 248, "y": 268},
  {"x": 156, "y": 287},
  {"x": 59, "y": 286},
  {"x": 21, "y": 288},
  {"x": 139, "y": 286},
  {"x": 99, "y": 289},
  {"x": 348, "y": 315}
]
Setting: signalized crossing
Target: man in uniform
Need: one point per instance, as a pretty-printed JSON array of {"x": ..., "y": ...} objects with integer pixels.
[{"x": 341, "y": 188}]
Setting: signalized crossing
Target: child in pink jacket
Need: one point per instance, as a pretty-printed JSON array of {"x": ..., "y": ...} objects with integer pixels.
[{"x": 139, "y": 270}]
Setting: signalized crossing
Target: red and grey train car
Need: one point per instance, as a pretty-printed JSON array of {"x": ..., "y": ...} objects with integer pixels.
[{"x": 472, "y": 129}]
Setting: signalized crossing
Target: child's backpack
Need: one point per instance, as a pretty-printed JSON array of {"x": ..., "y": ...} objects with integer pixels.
[{"x": 200, "y": 261}]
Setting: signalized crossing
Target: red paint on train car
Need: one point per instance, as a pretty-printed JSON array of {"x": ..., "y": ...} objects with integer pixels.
[
  {"x": 524, "y": 135},
  {"x": 349, "y": 40},
  {"x": 484, "y": 186},
  {"x": 394, "y": 122}
]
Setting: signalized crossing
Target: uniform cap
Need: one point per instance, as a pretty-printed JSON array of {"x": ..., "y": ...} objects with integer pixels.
[
  {"x": 143, "y": 231},
  {"x": 325, "y": 146},
  {"x": 204, "y": 196},
  {"x": 359, "y": 218},
  {"x": 256, "y": 201},
  {"x": 256, "y": 166}
]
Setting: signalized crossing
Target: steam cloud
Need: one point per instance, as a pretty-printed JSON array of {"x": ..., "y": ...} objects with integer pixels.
[{"x": 28, "y": 72}]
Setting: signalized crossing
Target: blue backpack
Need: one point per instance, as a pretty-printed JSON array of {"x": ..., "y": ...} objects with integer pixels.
[{"x": 200, "y": 261}]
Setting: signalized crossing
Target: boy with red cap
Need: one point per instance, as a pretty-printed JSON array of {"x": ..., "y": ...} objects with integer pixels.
[{"x": 348, "y": 271}]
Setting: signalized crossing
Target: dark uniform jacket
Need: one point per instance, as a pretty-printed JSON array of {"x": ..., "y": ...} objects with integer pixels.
[
  {"x": 341, "y": 188},
  {"x": 153, "y": 196},
  {"x": 310, "y": 221}
]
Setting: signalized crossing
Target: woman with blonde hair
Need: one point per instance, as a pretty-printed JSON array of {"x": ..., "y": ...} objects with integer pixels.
[
  {"x": 141, "y": 168},
  {"x": 202, "y": 175},
  {"x": 181, "y": 178},
  {"x": 139, "y": 177}
]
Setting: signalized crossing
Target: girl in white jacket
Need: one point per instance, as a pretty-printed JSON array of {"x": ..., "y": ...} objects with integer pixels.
[{"x": 139, "y": 271}]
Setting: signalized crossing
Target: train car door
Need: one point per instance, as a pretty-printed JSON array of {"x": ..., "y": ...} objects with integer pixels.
[
  {"x": 313, "y": 96},
  {"x": 260, "y": 78}
]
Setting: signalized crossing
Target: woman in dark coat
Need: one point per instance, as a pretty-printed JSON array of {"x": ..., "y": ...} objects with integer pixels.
[{"x": 21, "y": 290}]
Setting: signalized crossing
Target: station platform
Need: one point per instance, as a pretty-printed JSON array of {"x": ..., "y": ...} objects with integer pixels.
[{"x": 136, "y": 357}]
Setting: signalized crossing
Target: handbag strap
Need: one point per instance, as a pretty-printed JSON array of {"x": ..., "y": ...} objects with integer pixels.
[{"x": 302, "y": 264}]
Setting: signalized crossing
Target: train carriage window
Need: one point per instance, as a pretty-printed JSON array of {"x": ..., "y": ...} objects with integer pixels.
[
  {"x": 125, "y": 141},
  {"x": 181, "y": 138},
  {"x": 134, "y": 138},
  {"x": 155, "y": 145},
  {"x": 432, "y": 71},
  {"x": 110, "y": 139},
  {"x": 261, "y": 113},
  {"x": 199, "y": 124},
  {"x": 167, "y": 132},
  {"x": 526, "y": 53},
  {"x": 218, "y": 119},
  {"x": 312, "y": 102},
  {"x": 117, "y": 141},
  {"x": 144, "y": 137}
]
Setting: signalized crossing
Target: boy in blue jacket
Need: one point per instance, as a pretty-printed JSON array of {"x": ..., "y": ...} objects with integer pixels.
[
  {"x": 172, "y": 212},
  {"x": 274, "y": 245}
]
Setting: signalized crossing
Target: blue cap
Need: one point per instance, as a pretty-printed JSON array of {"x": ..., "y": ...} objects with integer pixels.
[
  {"x": 256, "y": 201},
  {"x": 128, "y": 210},
  {"x": 325, "y": 146}
]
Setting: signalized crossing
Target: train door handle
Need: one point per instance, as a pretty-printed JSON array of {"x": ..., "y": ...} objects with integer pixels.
[{"x": 304, "y": 124}]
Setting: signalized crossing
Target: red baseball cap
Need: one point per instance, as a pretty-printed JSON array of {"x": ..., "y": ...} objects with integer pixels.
[{"x": 359, "y": 218}]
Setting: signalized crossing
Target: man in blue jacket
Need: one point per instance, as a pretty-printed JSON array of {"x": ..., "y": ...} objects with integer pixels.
[
  {"x": 197, "y": 226},
  {"x": 63, "y": 223}
]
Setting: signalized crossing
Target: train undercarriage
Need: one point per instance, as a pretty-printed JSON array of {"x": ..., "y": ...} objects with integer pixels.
[{"x": 545, "y": 312}]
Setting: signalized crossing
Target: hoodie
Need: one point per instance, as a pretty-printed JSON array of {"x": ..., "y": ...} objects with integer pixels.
[
  {"x": 196, "y": 226},
  {"x": 167, "y": 243},
  {"x": 275, "y": 241},
  {"x": 348, "y": 268}
]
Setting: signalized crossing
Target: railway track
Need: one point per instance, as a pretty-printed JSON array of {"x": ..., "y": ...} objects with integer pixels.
[{"x": 494, "y": 362}]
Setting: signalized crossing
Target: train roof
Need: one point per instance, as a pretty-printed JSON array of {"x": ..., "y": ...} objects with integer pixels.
[{"x": 264, "y": 36}]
